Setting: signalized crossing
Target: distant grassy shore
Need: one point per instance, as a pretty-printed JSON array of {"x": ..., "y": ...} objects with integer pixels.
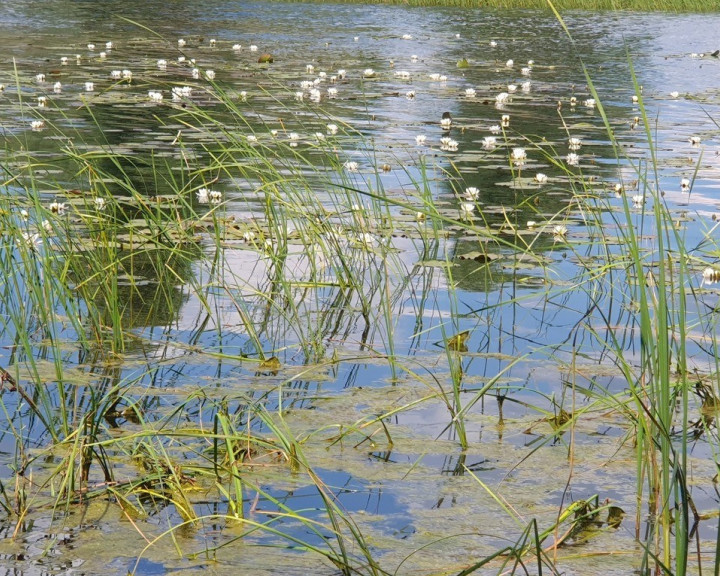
[{"x": 630, "y": 5}]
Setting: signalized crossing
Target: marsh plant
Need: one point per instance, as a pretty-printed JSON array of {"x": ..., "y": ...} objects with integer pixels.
[{"x": 229, "y": 338}]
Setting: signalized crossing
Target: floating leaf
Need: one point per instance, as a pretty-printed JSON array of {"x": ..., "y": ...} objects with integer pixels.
[
  {"x": 463, "y": 63},
  {"x": 271, "y": 364},
  {"x": 458, "y": 341}
]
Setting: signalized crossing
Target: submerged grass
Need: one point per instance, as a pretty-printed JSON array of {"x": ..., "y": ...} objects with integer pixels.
[{"x": 315, "y": 276}]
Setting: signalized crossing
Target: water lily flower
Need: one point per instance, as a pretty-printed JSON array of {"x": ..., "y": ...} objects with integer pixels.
[
  {"x": 574, "y": 143},
  {"x": 525, "y": 86},
  {"x": 541, "y": 178},
  {"x": 116, "y": 74},
  {"x": 368, "y": 73},
  {"x": 509, "y": 63},
  {"x": 315, "y": 95},
  {"x": 40, "y": 77},
  {"x": 505, "y": 120},
  {"x": 638, "y": 200},
  {"x": 37, "y": 125},
  {"x": 127, "y": 75},
  {"x": 525, "y": 71},
  {"x": 710, "y": 275},
  {"x": 248, "y": 236},
  {"x": 64, "y": 60},
  {"x": 573, "y": 101},
  {"x": 332, "y": 92},
  {"x": 446, "y": 122},
  {"x": 413, "y": 58},
  {"x": 410, "y": 94},
  {"x": 351, "y": 166},
  {"x": 560, "y": 230},
  {"x": 91, "y": 46},
  {"x": 519, "y": 156},
  {"x": 181, "y": 42},
  {"x": 674, "y": 94},
  {"x": 42, "y": 101},
  {"x": 181, "y": 59},
  {"x": 493, "y": 44},
  {"x": 531, "y": 224},
  {"x": 319, "y": 136},
  {"x": 57, "y": 207},
  {"x": 420, "y": 139},
  {"x": 572, "y": 159},
  {"x": 434, "y": 76},
  {"x": 237, "y": 47},
  {"x": 252, "y": 138},
  {"x": 685, "y": 184},
  {"x": 253, "y": 48},
  {"x": 99, "y": 203},
  {"x": 695, "y": 140},
  {"x": 407, "y": 37},
  {"x": 449, "y": 144},
  {"x": 203, "y": 195},
  {"x": 213, "y": 42},
  {"x": 210, "y": 74},
  {"x": 619, "y": 190},
  {"x": 162, "y": 64},
  {"x": 57, "y": 87},
  {"x": 109, "y": 45},
  {"x": 420, "y": 216},
  {"x": 24, "y": 214},
  {"x": 590, "y": 103},
  {"x": 471, "y": 193},
  {"x": 103, "y": 55},
  {"x": 489, "y": 142},
  {"x": 502, "y": 98},
  {"x": 155, "y": 96},
  {"x": 402, "y": 74},
  {"x": 294, "y": 138},
  {"x": 470, "y": 92},
  {"x": 512, "y": 88},
  {"x": 47, "y": 226},
  {"x": 332, "y": 129},
  {"x": 299, "y": 96},
  {"x": 32, "y": 240},
  {"x": 495, "y": 129},
  {"x": 89, "y": 86},
  {"x": 309, "y": 68},
  {"x": 634, "y": 99},
  {"x": 466, "y": 209},
  {"x": 215, "y": 196}
]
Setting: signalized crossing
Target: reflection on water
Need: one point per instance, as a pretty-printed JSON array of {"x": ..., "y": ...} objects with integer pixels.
[{"x": 196, "y": 332}]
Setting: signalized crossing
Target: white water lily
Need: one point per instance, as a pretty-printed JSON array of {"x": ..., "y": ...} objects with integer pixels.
[
  {"x": 531, "y": 224},
  {"x": 410, "y": 94},
  {"x": 541, "y": 178},
  {"x": 89, "y": 86},
  {"x": 674, "y": 94},
  {"x": 619, "y": 190},
  {"x": 103, "y": 55},
  {"x": 299, "y": 96},
  {"x": 402, "y": 74},
  {"x": 181, "y": 42},
  {"x": 253, "y": 48},
  {"x": 332, "y": 92},
  {"x": 127, "y": 74},
  {"x": 351, "y": 166},
  {"x": 493, "y": 44},
  {"x": 505, "y": 120},
  {"x": 525, "y": 86},
  {"x": 368, "y": 73},
  {"x": 420, "y": 139},
  {"x": 162, "y": 64},
  {"x": 695, "y": 140},
  {"x": 449, "y": 144},
  {"x": 512, "y": 88},
  {"x": 215, "y": 196},
  {"x": 91, "y": 46},
  {"x": 237, "y": 47},
  {"x": 638, "y": 200},
  {"x": 519, "y": 156},
  {"x": 37, "y": 125},
  {"x": 309, "y": 68},
  {"x": 471, "y": 193},
  {"x": 489, "y": 142},
  {"x": 42, "y": 101},
  {"x": 407, "y": 37},
  {"x": 526, "y": 71},
  {"x": 99, "y": 203},
  {"x": 57, "y": 207},
  {"x": 685, "y": 184},
  {"x": 57, "y": 87},
  {"x": 203, "y": 195},
  {"x": 509, "y": 63},
  {"x": 24, "y": 214},
  {"x": 116, "y": 74},
  {"x": 413, "y": 58},
  {"x": 332, "y": 129},
  {"x": 155, "y": 96},
  {"x": 572, "y": 159},
  {"x": 496, "y": 129},
  {"x": 315, "y": 95},
  {"x": 466, "y": 209},
  {"x": 573, "y": 101},
  {"x": 32, "y": 240},
  {"x": 40, "y": 77},
  {"x": 470, "y": 92},
  {"x": 502, "y": 98},
  {"x": 109, "y": 45},
  {"x": 213, "y": 42},
  {"x": 574, "y": 143},
  {"x": 590, "y": 103},
  {"x": 210, "y": 74},
  {"x": 64, "y": 60},
  {"x": 560, "y": 230},
  {"x": 710, "y": 275}
]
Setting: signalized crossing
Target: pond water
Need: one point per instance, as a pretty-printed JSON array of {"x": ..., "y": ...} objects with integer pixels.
[{"x": 439, "y": 449}]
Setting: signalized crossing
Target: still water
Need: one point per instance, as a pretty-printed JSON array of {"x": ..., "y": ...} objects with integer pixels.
[{"x": 385, "y": 75}]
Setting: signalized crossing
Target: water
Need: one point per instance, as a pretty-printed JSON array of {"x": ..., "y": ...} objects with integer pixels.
[{"x": 187, "y": 354}]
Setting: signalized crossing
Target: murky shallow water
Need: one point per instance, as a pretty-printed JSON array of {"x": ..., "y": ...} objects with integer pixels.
[{"x": 416, "y": 491}]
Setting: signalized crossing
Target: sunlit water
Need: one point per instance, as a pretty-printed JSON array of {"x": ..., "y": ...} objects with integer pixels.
[{"x": 678, "y": 80}]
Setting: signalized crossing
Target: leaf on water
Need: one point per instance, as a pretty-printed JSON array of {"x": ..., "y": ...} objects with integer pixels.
[
  {"x": 478, "y": 256},
  {"x": 272, "y": 364},
  {"x": 458, "y": 341}
]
